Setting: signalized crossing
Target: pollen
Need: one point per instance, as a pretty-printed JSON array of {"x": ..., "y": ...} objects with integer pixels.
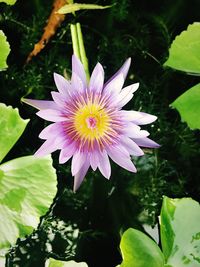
[{"x": 91, "y": 122}]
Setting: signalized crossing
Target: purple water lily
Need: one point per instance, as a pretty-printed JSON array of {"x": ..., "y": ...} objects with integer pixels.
[{"x": 89, "y": 124}]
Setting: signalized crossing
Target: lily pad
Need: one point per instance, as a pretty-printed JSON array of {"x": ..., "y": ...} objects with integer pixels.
[
  {"x": 11, "y": 128},
  {"x": 184, "y": 52},
  {"x": 188, "y": 105},
  {"x": 180, "y": 232},
  {"x": 8, "y": 2},
  {"x": 27, "y": 184},
  {"x": 4, "y": 51},
  {"x": 27, "y": 189},
  {"x": 56, "y": 263},
  {"x": 138, "y": 250}
]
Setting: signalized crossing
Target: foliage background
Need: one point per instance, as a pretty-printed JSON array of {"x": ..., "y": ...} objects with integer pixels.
[{"x": 86, "y": 226}]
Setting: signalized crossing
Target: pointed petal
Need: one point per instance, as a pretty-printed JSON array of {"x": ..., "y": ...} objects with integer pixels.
[
  {"x": 40, "y": 104},
  {"x": 134, "y": 131},
  {"x": 131, "y": 146},
  {"x": 94, "y": 160},
  {"x": 49, "y": 146},
  {"x": 104, "y": 164},
  {"x": 66, "y": 153},
  {"x": 51, "y": 130},
  {"x": 62, "y": 84},
  {"x": 51, "y": 115},
  {"x": 77, "y": 84},
  {"x": 78, "y": 68},
  {"x": 77, "y": 162},
  {"x": 81, "y": 174},
  {"x": 115, "y": 85},
  {"x": 145, "y": 118},
  {"x": 126, "y": 94},
  {"x": 130, "y": 115},
  {"x": 97, "y": 79},
  {"x": 59, "y": 99},
  {"x": 124, "y": 161},
  {"x": 124, "y": 70},
  {"x": 146, "y": 142}
]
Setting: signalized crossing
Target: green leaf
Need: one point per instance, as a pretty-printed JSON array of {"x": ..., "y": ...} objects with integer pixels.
[
  {"x": 180, "y": 232},
  {"x": 55, "y": 263},
  {"x": 11, "y": 128},
  {"x": 184, "y": 53},
  {"x": 188, "y": 105},
  {"x": 138, "y": 250},
  {"x": 70, "y": 8},
  {"x": 4, "y": 51},
  {"x": 27, "y": 189},
  {"x": 9, "y": 2}
]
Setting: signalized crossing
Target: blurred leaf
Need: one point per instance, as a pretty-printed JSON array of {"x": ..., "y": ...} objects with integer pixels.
[
  {"x": 138, "y": 250},
  {"x": 27, "y": 189},
  {"x": 2, "y": 261},
  {"x": 180, "y": 232},
  {"x": 55, "y": 263},
  {"x": 70, "y": 8},
  {"x": 188, "y": 105},
  {"x": 4, "y": 51},
  {"x": 184, "y": 52},
  {"x": 11, "y": 128},
  {"x": 9, "y": 2}
]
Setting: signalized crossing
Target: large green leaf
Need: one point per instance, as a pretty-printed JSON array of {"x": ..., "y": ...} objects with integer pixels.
[
  {"x": 27, "y": 188},
  {"x": 9, "y": 2},
  {"x": 4, "y": 51},
  {"x": 70, "y": 8},
  {"x": 180, "y": 232},
  {"x": 184, "y": 53},
  {"x": 11, "y": 128},
  {"x": 139, "y": 250},
  {"x": 56, "y": 263},
  {"x": 188, "y": 105}
]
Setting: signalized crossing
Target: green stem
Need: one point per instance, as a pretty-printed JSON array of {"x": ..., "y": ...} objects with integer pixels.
[
  {"x": 82, "y": 50},
  {"x": 75, "y": 42},
  {"x": 78, "y": 46}
]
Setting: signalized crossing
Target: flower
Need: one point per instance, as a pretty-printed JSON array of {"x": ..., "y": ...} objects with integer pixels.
[{"x": 89, "y": 124}]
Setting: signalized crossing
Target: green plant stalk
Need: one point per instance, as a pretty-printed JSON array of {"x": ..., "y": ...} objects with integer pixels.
[
  {"x": 75, "y": 42},
  {"x": 82, "y": 50},
  {"x": 78, "y": 46}
]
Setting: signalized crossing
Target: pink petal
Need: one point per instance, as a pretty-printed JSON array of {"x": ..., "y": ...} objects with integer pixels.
[
  {"x": 126, "y": 94},
  {"x": 40, "y": 104},
  {"x": 144, "y": 119},
  {"x": 121, "y": 159},
  {"x": 62, "y": 84},
  {"x": 66, "y": 153},
  {"x": 146, "y": 142},
  {"x": 104, "y": 164},
  {"x": 51, "y": 130},
  {"x": 134, "y": 131},
  {"x": 77, "y": 162},
  {"x": 115, "y": 85},
  {"x": 59, "y": 99},
  {"x": 49, "y": 146},
  {"x": 51, "y": 115},
  {"x": 123, "y": 70},
  {"x": 81, "y": 174},
  {"x": 94, "y": 160},
  {"x": 77, "y": 84},
  {"x": 131, "y": 146},
  {"x": 130, "y": 115},
  {"x": 78, "y": 68},
  {"x": 97, "y": 79}
]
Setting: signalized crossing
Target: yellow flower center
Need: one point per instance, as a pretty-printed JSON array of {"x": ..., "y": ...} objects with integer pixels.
[{"x": 91, "y": 122}]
